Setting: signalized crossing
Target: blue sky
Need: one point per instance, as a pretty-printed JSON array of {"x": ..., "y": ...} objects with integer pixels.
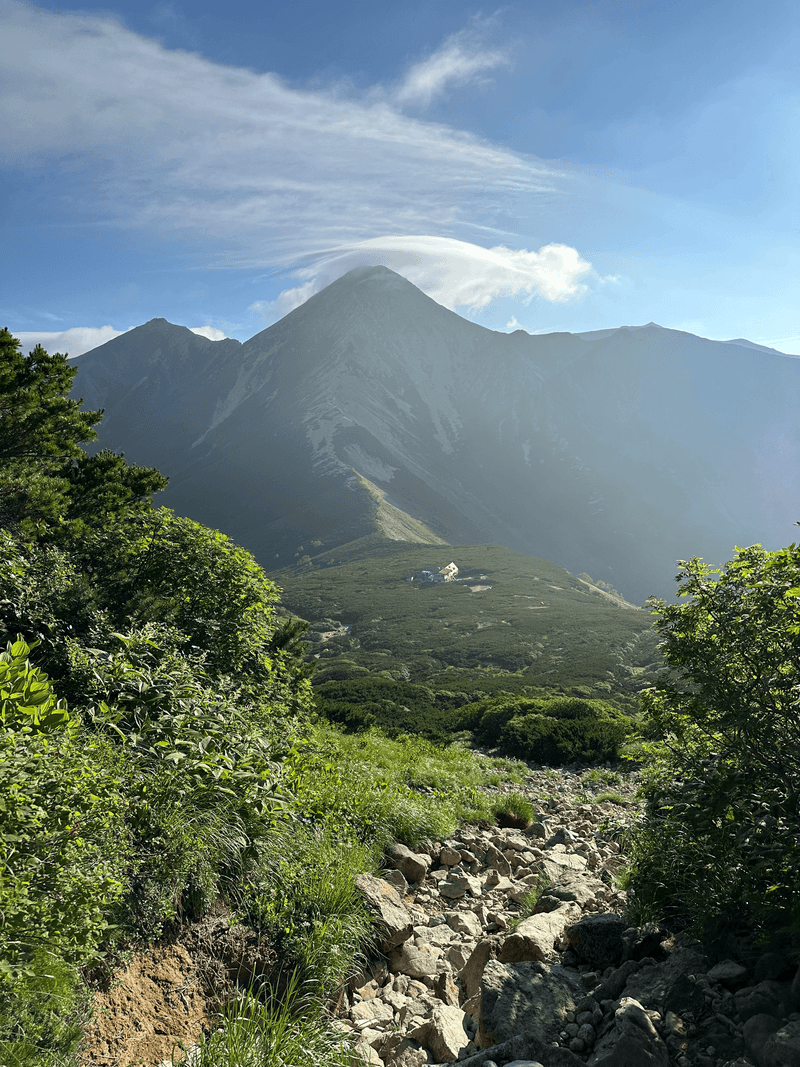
[{"x": 556, "y": 165}]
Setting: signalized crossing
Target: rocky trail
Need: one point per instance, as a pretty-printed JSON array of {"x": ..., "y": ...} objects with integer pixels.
[{"x": 462, "y": 975}]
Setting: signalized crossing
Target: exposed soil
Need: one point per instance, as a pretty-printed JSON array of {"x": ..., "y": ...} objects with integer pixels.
[{"x": 168, "y": 995}]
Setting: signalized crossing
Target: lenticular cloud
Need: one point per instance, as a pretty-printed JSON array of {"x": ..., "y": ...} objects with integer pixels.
[{"x": 456, "y": 273}]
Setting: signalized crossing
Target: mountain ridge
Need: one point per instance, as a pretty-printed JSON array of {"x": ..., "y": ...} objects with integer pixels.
[{"x": 615, "y": 455}]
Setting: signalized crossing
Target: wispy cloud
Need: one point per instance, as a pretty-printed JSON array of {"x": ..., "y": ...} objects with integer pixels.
[
  {"x": 237, "y": 160},
  {"x": 460, "y": 59},
  {"x": 73, "y": 342},
  {"x": 240, "y": 170}
]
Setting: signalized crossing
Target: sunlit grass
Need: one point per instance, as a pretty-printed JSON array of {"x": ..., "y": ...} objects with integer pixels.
[{"x": 289, "y": 1031}]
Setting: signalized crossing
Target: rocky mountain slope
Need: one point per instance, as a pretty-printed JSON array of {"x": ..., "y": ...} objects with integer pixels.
[
  {"x": 613, "y": 453},
  {"x": 457, "y": 977}
]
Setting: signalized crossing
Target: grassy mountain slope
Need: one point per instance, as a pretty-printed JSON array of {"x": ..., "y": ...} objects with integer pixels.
[{"x": 509, "y": 623}]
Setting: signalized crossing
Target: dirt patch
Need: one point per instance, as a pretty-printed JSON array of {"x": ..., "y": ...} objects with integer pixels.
[
  {"x": 173, "y": 992},
  {"x": 154, "y": 1002}
]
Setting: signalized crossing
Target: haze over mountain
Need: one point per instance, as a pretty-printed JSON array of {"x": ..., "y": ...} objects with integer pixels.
[{"x": 615, "y": 452}]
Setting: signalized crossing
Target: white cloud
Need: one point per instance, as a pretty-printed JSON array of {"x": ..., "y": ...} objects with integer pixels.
[
  {"x": 289, "y": 299},
  {"x": 74, "y": 342},
  {"x": 211, "y": 332},
  {"x": 458, "y": 60},
  {"x": 454, "y": 273},
  {"x": 245, "y": 169},
  {"x": 512, "y": 324}
]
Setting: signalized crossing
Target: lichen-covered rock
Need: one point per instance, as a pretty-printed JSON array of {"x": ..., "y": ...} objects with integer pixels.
[{"x": 597, "y": 939}]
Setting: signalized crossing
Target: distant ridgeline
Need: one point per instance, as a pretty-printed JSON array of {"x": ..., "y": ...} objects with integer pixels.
[
  {"x": 472, "y": 641},
  {"x": 371, "y": 410}
]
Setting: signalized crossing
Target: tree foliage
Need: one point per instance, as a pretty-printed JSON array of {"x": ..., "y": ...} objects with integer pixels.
[
  {"x": 49, "y": 486},
  {"x": 721, "y": 839}
]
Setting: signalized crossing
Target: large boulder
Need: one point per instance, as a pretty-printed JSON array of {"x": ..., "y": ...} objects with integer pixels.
[
  {"x": 394, "y": 922},
  {"x": 443, "y": 1033},
  {"x": 597, "y": 939},
  {"x": 535, "y": 938},
  {"x": 472, "y": 972},
  {"x": 414, "y": 865},
  {"x": 528, "y": 997},
  {"x": 416, "y": 959}
]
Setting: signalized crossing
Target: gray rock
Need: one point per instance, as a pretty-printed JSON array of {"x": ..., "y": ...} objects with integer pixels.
[
  {"x": 471, "y": 974},
  {"x": 444, "y": 989},
  {"x": 782, "y": 1048},
  {"x": 612, "y": 987},
  {"x": 395, "y": 924},
  {"x": 633, "y": 1041},
  {"x": 415, "y": 960},
  {"x": 443, "y": 1033},
  {"x": 597, "y": 939},
  {"x": 414, "y": 865},
  {"x": 535, "y": 938},
  {"x": 571, "y": 886},
  {"x": 531, "y": 998},
  {"x": 526, "y": 1048},
  {"x": 766, "y": 998},
  {"x": 399, "y": 1051},
  {"x": 398, "y": 880},
  {"x": 465, "y": 923},
  {"x": 729, "y": 973},
  {"x": 454, "y": 887},
  {"x": 684, "y": 996},
  {"x": 756, "y": 1031}
]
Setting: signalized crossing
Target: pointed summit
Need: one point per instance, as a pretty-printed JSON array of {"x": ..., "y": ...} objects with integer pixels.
[{"x": 615, "y": 453}]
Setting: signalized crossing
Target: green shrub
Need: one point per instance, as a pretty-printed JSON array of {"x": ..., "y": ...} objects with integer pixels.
[
  {"x": 550, "y": 730},
  {"x": 548, "y": 740},
  {"x": 719, "y": 846},
  {"x": 63, "y": 841},
  {"x": 42, "y": 1013}
]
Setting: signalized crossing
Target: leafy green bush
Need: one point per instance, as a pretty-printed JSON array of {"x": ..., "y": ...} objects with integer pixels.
[
  {"x": 62, "y": 836},
  {"x": 720, "y": 842},
  {"x": 42, "y": 1013},
  {"x": 555, "y": 730},
  {"x": 551, "y": 740}
]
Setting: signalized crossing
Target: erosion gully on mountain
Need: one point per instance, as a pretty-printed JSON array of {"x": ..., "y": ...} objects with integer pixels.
[{"x": 458, "y": 978}]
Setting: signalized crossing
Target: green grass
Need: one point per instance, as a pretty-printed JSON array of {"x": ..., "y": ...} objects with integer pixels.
[
  {"x": 382, "y": 789},
  {"x": 611, "y": 798},
  {"x": 290, "y": 1031}
]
